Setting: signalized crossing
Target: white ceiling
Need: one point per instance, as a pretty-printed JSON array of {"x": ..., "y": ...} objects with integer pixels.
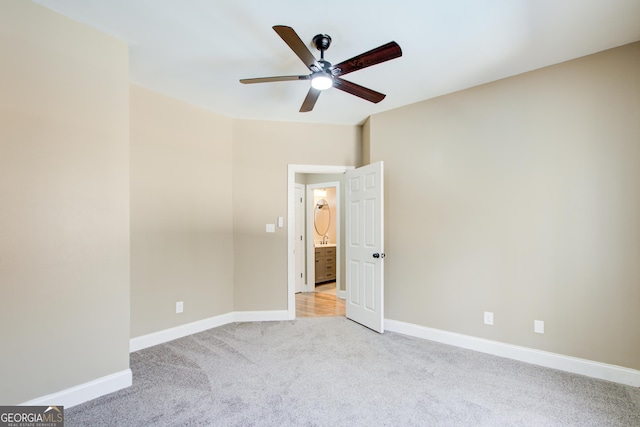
[{"x": 197, "y": 50}]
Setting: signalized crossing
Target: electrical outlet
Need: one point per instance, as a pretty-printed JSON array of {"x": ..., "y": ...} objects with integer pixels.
[
  {"x": 179, "y": 307},
  {"x": 538, "y": 326},
  {"x": 488, "y": 318}
]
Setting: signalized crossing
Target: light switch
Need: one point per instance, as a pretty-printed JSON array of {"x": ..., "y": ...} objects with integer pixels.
[{"x": 271, "y": 228}]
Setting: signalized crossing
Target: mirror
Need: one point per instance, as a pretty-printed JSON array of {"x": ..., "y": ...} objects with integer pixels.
[{"x": 322, "y": 217}]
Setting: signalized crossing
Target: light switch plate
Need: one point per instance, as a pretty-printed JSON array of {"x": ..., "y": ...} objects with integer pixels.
[{"x": 271, "y": 228}]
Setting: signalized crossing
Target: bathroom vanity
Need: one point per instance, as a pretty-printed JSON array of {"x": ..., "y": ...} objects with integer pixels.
[{"x": 325, "y": 263}]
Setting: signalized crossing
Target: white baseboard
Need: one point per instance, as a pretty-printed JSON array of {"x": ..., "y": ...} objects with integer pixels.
[
  {"x": 575, "y": 365},
  {"x": 84, "y": 392},
  {"x": 260, "y": 316},
  {"x": 160, "y": 337},
  {"x": 155, "y": 338},
  {"x": 114, "y": 382}
]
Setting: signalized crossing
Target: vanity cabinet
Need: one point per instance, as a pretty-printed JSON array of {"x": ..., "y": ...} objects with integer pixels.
[{"x": 325, "y": 264}]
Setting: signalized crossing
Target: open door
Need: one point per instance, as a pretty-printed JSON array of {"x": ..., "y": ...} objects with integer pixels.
[{"x": 365, "y": 246}]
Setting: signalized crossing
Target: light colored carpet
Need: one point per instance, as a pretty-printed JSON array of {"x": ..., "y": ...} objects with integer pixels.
[{"x": 333, "y": 372}]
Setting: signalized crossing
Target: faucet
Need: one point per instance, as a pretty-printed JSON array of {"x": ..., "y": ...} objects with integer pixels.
[{"x": 325, "y": 239}]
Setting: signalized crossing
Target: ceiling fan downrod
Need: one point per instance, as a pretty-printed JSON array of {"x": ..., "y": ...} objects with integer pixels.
[{"x": 322, "y": 43}]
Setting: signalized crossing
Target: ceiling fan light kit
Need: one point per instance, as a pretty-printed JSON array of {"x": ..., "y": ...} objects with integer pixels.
[
  {"x": 324, "y": 75},
  {"x": 321, "y": 81}
]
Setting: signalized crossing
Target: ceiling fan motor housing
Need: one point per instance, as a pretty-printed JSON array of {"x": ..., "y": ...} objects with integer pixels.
[{"x": 326, "y": 65}]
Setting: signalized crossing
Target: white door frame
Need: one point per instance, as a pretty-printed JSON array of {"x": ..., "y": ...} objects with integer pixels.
[
  {"x": 291, "y": 227},
  {"x": 310, "y": 247},
  {"x": 301, "y": 230}
]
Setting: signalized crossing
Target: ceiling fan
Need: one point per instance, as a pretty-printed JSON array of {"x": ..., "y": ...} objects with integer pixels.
[{"x": 324, "y": 75}]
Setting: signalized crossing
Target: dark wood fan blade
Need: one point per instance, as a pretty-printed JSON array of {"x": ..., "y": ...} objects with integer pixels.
[
  {"x": 375, "y": 56},
  {"x": 273, "y": 79},
  {"x": 291, "y": 38},
  {"x": 357, "y": 90},
  {"x": 310, "y": 100}
]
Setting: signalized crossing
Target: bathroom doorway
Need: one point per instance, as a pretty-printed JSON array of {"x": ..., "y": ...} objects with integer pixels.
[
  {"x": 322, "y": 297},
  {"x": 323, "y": 219}
]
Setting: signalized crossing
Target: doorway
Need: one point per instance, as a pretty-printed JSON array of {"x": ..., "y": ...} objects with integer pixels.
[
  {"x": 324, "y": 294},
  {"x": 323, "y": 302},
  {"x": 364, "y": 241}
]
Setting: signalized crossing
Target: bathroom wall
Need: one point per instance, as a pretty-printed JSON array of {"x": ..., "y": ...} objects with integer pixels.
[{"x": 319, "y": 223}]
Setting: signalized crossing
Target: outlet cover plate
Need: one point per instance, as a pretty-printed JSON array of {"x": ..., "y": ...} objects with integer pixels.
[
  {"x": 538, "y": 326},
  {"x": 179, "y": 307},
  {"x": 488, "y": 318}
]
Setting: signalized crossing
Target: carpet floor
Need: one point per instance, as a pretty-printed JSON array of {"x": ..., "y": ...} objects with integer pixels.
[{"x": 333, "y": 372}]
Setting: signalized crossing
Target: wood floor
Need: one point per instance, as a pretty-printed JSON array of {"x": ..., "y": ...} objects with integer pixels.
[{"x": 321, "y": 303}]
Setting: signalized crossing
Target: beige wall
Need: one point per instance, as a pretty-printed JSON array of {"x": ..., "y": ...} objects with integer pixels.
[
  {"x": 521, "y": 197},
  {"x": 261, "y": 153},
  {"x": 181, "y": 218},
  {"x": 64, "y": 222}
]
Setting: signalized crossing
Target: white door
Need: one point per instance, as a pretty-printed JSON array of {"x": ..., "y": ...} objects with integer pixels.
[
  {"x": 299, "y": 238},
  {"x": 365, "y": 246}
]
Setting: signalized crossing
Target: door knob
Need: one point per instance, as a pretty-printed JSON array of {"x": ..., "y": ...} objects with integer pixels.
[{"x": 377, "y": 255}]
